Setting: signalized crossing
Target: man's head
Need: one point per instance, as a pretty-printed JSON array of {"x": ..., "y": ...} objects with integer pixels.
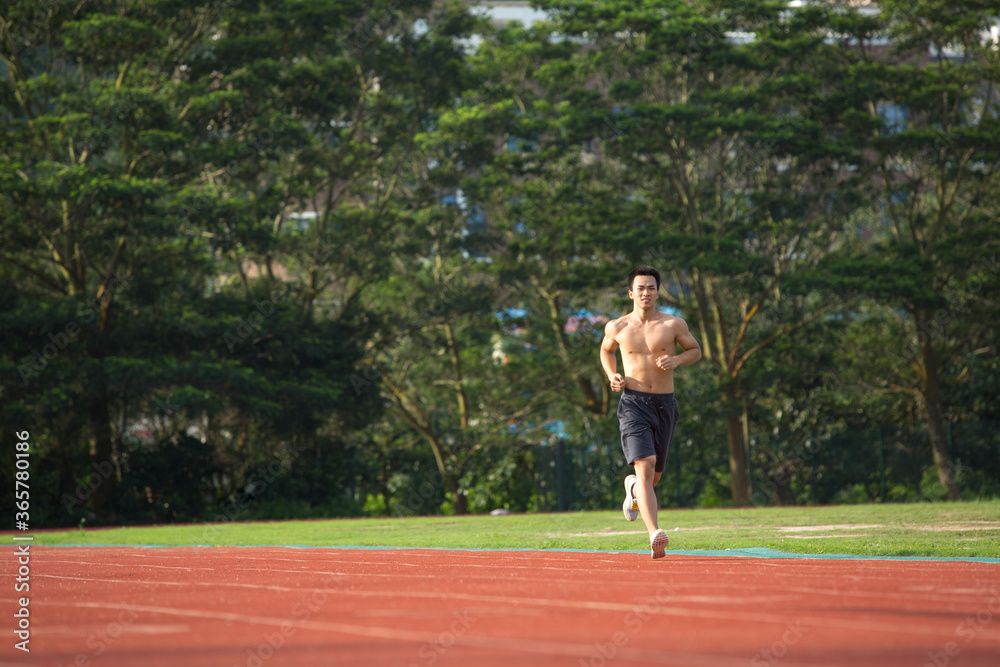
[
  {"x": 643, "y": 271},
  {"x": 643, "y": 286}
]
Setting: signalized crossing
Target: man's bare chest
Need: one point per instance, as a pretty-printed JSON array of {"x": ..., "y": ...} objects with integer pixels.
[{"x": 646, "y": 339}]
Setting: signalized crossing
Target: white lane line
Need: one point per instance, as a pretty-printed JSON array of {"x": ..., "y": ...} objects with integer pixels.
[
  {"x": 569, "y": 649},
  {"x": 135, "y": 565},
  {"x": 758, "y": 594},
  {"x": 135, "y": 629},
  {"x": 842, "y": 596}
]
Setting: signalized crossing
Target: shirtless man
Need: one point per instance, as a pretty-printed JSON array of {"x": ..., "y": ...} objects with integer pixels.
[{"x": 647, "y": 411}]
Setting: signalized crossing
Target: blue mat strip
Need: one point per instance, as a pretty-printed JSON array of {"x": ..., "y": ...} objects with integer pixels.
[{"x": 754, "y": 552}]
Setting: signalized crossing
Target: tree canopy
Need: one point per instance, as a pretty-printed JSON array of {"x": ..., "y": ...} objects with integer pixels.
[{"x": 287, "y": 258}]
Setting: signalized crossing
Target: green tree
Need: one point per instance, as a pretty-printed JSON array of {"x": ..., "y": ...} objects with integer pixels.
[
  {"x": 658, "y": 134},
  {"x": 153, "y": 152},
  {"x": 93, "y": 159},
  {"x": 439, "y": 355},
  {"x": 360, "y": 81},
  {"x": 934, "y": 162}
]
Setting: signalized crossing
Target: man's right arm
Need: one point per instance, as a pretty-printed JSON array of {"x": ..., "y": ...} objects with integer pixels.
[{"x": 608, "y": 359}]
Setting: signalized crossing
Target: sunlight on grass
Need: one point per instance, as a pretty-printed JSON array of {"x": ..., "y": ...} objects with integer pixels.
[{"x": 946, "y": 529}]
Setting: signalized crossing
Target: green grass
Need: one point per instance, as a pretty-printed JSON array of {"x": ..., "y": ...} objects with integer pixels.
[{"x": 943, "y": 529}]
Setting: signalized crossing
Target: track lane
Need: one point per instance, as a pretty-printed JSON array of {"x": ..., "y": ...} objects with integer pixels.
[{"x": 256, "y": 606}]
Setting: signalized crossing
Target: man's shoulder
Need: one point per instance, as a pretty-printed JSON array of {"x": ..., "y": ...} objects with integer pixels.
[
  {"x": 670, "y": 320},
  {"x": 616, "y": 325}
]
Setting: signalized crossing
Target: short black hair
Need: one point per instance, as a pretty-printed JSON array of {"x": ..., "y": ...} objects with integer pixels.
[{"x": 643, "y": 271}]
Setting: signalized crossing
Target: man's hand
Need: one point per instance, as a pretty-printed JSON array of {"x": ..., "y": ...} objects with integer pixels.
[
  {"x": 617, "y": 382},
  {"x": 665, "y": 363}
]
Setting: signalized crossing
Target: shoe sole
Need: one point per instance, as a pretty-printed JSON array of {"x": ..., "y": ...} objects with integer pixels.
[
  {"x": 630, "y": 507},
  {"x": 659, "y": 544}
]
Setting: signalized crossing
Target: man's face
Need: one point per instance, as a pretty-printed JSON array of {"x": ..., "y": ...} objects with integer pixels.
[{"x": 643, "y": 292}]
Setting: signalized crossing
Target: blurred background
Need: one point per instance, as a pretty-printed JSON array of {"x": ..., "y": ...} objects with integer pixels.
[{"x": 308, "y": 258}]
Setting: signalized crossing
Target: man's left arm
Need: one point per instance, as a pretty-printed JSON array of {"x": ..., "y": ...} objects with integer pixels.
[
  {"x": 684, "y": 339},
  {"x": 692, "y": 351}
]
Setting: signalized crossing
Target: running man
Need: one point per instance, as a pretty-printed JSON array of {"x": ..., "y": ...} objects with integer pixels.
[{"x": 647, "y": 411}]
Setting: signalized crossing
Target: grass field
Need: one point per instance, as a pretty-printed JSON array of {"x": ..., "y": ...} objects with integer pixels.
[{"x": 945, "y": 529}]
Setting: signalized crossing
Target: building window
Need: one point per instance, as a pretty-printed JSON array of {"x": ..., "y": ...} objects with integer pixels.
[{"x": 896, "y": 117}]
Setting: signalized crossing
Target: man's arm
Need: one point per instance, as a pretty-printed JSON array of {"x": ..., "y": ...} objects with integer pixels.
[
  {"x": 692, "y": 351},
  {"x": 683, "y": 338},
  {"x": 608, "y": 359}
]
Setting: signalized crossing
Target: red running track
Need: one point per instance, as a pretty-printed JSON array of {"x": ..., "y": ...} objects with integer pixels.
[{"x": 256, "y": 606}]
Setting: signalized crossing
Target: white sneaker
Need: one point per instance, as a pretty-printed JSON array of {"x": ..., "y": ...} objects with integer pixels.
[
  {"x": 630, "y": 507},
  {"x": 658, "y": 542}
]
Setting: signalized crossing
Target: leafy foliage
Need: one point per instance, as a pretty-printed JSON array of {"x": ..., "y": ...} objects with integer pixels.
[{"x": 322, "y": 258}]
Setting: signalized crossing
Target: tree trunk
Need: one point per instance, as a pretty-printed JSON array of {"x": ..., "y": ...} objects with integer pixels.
[
  {"x": 461, "y": 502},
  {"x": 423, "y": 424},
  {"x": 591, "y": 403},
  {"x": 102, "y": 469},
  {"x": 459, "y": 498},
  {"x": 384, "y": 483},
  {"x": 782, "y": 481},
  {"x": 450, "y": 481},
  {"x": 931, "y": 395},
  {"x": 739, "y": 482}
]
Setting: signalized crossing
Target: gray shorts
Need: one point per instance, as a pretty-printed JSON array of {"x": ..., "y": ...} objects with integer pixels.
[{"x": 647, "y": 423}]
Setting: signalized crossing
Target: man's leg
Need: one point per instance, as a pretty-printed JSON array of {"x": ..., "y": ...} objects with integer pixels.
[{"x": 646, "y": 479}]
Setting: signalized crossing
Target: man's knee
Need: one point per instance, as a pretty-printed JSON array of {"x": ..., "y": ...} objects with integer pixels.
[
  {"x": 645, "y": 467},
  {"x": 656, "y": 478}
]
